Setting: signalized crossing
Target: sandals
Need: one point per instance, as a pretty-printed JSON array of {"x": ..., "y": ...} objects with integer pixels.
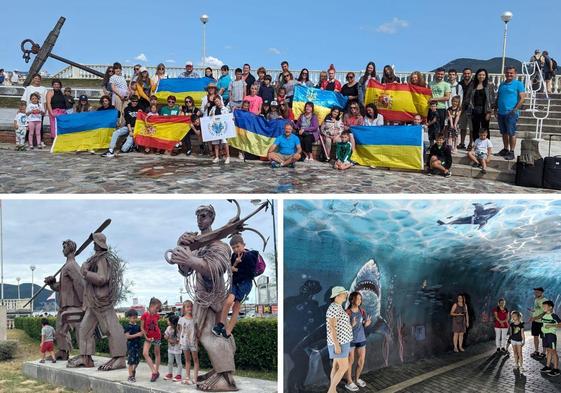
[{"x": 187, "y": 381}]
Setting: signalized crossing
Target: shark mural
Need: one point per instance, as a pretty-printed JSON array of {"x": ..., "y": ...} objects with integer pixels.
[{"x": 409, "y": 260}]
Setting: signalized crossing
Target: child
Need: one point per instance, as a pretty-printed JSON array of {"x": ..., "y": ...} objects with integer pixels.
[
  {"x": 440, "y": 157},
  {"x": 174, "y": 349},
  {"x": 516, "y": 338},
  {"x": 266, "y": 91},
  {"x": 47, "y": 338},
  {"x": 343, "y": 152},
  {"x": 551, "y": 322},
  {"x": 153, "y": 335},
  {"x": 245, "y": 106},
  {"x": 20, "y": 125},
  {"x": 35, "y": 112},
  {"x": 153, "y": 110},
  {"x": 482, "y": 151},
  {"x": 255, "y": 102},
  {"x": 188, "y": 342},
  {"x": 359, "y": 321},
  {"x": 281, "y": 96},
  {"x": 244, "y": 264},
  {"x": 432, "y": 122},
  {"x": 133, "y": 334},
  {"x": 454, "y": 113},
  {"x": 237, "y": 90},
  {"x": 69, "y": 100}
]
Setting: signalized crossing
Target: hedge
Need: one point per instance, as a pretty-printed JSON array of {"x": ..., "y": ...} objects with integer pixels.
[
  {"x": 7, "y": 349},
  {"x": 256, "y": 341}
]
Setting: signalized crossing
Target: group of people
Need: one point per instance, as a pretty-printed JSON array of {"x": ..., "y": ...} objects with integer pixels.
[
  {"x": 548, "y": 67},
  {"x": 9, "y": 78}
]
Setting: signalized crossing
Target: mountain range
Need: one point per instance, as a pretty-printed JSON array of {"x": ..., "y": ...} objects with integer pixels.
[
  {"x": 11, "y": 292},
  {"x": 493, "y": 65}
]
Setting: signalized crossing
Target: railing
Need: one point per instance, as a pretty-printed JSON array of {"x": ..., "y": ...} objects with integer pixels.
[{"x": 532, "y": 72}]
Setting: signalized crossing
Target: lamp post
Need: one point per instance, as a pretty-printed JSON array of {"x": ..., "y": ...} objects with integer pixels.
[
  {"x": 32, "y": 267},
  {"x": 204, "y": 21},
  {"x": 505, "y": 17},
  {"x": 18, "y": 279}
]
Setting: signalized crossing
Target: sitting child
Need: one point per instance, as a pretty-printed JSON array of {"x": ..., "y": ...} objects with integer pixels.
[
  {"x": 153, "y": 335},
  {"x": 343, "y": 152},
  {"x": 440, "y": 157},
  {"x": 47, "y": 339},
  {"x": 482, "y": 151},
  {"x": 174, "y": 349},
  {"x": 133, "y": 334}
]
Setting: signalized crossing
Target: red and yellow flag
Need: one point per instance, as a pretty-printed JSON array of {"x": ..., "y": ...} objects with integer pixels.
[
  {"x": 398, "y": 102},
  {"x": 160, "y": 132}
]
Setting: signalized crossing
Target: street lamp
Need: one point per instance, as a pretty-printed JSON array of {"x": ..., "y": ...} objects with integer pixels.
[
  {"x": 18, "y": 279},
  {"x": 204, "y": 21},
  {"x": 32, "y": 267},
  {"x": 505, "y": 17}
]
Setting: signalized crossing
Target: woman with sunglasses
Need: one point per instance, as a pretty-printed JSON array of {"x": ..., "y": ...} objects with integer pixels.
[
  {"x": 107, "y": 91},
  {"x": 143, "y": 89},
  {"x": 189, "y": 108},
  {"x": 160, "y": 74},
  {"x": 304, "y": 78},
  {"x": 350, "y": 89},
  {"x": 289, "y": 84}
]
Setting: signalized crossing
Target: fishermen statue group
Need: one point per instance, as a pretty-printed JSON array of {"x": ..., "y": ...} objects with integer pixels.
[{"x": 87, "y": 301}]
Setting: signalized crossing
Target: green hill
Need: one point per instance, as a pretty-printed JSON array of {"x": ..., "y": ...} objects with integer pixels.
[
  {"x": 11, "y": 292},
  {"x": 493, "y": 65}
]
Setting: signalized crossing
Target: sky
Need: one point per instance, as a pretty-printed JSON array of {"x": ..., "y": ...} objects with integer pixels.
[
  {"x": 412, "y": 34},
  {"x": 140, "y": 231}
]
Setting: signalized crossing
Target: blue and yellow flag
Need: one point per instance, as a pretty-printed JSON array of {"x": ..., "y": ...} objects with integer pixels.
[
  {"x": 255, "y": 134},
  {"x": 181, "y": 88},
  {"x": 323, "y": 101},
  {"x": 84, "y": 131},
  {"x": 389, "y": 146}
]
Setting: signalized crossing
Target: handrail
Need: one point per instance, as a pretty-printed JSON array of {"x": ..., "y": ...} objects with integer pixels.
[{"x": 536, "y": 74}]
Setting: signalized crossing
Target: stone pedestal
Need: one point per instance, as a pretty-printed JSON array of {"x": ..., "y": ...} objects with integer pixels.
[{"x": 3, "y": 323}]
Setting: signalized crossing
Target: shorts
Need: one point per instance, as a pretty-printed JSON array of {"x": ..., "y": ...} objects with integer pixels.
[
  {"x": 481, "y": 155},
  {"x": 285, "y": 157},
  {"x": 359, "y": 344},
  {"x": 133, "y": 356},
  {"x": 516, "y": 343},
  {"x": 219, "y": 142},
  {"x": 550, "y": 341},
  {"x": 241, "y": 289},
  {"x": 155, "y": 342},
  {"x": 507, "y": 123},
  {"x": 345, "y": 349},
  {"x": 47, "y": 346},
  {"x": 537, "y": 329},
  {"x": 191, "y": 347}
]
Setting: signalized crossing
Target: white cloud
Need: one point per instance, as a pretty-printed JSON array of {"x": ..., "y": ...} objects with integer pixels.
[
  {"x": 392, "y": 26},
  {"x": 171, "y": 61},
  {"x": 212, "y": 62},
  {"x": 141, "y": 57},
  {"x": 274, "y": 51}
]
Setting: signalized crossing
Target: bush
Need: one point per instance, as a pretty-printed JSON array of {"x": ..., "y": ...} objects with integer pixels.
[
  {"x": 256, "y": 341},
  {"x": 7, "y": 349}
]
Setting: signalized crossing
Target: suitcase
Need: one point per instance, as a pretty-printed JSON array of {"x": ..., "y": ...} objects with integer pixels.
[
  {"x": 529, "y": 175},
  {"x": 552, "y": 171}
]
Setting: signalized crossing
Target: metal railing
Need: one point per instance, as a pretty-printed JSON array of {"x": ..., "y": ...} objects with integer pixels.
[{"x": 533, "y": 74}]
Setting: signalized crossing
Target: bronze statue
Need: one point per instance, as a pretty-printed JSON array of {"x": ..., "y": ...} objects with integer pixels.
[
  {"x": 103, "y": 280},
  {"x": 70, "y": 290}
]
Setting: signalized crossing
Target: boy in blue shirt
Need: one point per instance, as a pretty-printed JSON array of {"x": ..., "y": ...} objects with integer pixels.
[
  {"x": 286, "y": 150},
  {"x": 133, "y": 334}
]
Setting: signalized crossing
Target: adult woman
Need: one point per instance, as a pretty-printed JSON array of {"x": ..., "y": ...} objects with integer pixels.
[
  {"x": 339, "y": 336},
  {"x": 322, "y": 79},
  {"x": 304, "y": 78},
  {"x": 417, "y": 79},
  {"x": 308, "y": 130},
  {"x": 56, "y": 104},
  {"x": 160, "y": 74},
  {"x": 209, "y": 74},
  {"x": 105, "y": 86},
  {"x": 500, "y": 317},
  {"x": 331, "y": 83},
  {"x": 460, "y": 322},
  {"x": 389, "y": 75},
  {"x": 331, "y": 129},
  {"x": 481, "y": 102},
  {"x": 373, "y": 118},
  {"x": 119, "y": 87},
  {"x": 83, "y": 105},
  {"x": 359, "y": 321},
  {"x": 369, "y": 73},
  {"x": 350, "y": 89},
  {"x": 352, "y": 117},
  {"x": 35, "y": 87},
  {"x": 289, "y": 84},
  {"x": 143, "y": 89},
  {"x": 208, "y": 101},
  {"x": 189, "y": 108}
]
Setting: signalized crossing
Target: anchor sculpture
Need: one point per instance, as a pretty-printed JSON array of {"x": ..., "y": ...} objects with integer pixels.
[{"x": 42, "y": 53}]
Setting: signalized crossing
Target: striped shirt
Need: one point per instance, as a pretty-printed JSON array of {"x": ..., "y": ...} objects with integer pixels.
[{"x": 237, "y": 90}]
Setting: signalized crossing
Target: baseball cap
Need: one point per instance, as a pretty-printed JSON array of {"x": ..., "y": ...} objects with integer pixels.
[
  {"x": 189, "y": 63},
  {"x": 83, "y": 97},
  {"x": 142, "y": 69},
  {"x": 266, "y": 102},
  {"x": 274, "y": 103},
  {"x": 336, "y": 291}
]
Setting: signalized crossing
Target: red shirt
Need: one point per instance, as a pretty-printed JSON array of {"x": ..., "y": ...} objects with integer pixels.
[
  {"x": 151, "y": 325},
  {"x": 333, "y": 85},
  {"x": 503, "y": 316}
]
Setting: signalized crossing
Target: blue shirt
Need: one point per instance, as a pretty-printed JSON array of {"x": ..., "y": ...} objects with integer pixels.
[
  {"x": 287, "y": 146},
  {"x": 224, "y": 83},
  {"x": 508, "y": 96},
  {"x": 358, "y": 330}
]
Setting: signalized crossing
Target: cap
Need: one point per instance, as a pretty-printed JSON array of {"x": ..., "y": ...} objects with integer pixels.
[
  {"x": 142, "y": 69},
  {"x": 336, "y": 291},
  {"x": 189, "y": 63},
  {"x": 266, "y": 102},
  {"x": 539, "y": 289},
  {"x": 207, "y": 208},
  {"x": 274, "y": 103},
  {"x": 100, "y": 240},
  {"x": 211, "y": 84},
  {"x": 83, "y": 97}
]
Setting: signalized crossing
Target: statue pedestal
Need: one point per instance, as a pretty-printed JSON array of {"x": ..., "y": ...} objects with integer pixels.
[
  {"x": 92, "y": 380},
  {"x": 3, "y": 323}
]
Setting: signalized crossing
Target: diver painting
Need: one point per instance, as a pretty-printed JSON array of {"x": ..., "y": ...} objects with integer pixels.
[{"x": 410, "y": 260}]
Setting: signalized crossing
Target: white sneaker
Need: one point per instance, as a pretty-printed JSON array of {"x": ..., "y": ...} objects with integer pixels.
[
  {"x": 311, "y": 159},
  {"x": 216, "y": 160},
  {"x": 240, "y": 156},
  {"x": 306, "y": 159},
  {"x": 227, "y": 161},
  {"x": 352, "y": 387},
  {"x": 361, "y": 383}
]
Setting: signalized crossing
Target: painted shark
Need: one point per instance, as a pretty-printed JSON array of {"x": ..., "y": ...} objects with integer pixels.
[{"x": 481, "y": 215}]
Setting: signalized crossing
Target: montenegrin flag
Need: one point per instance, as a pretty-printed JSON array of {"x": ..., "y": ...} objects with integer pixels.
[
  {"x": 323, "y": 101},
  {"x": 398, "y": 102},
  {"x": 255, "y": 134},
  {"x": 181, "y": 88},
  {"x": 389, "y": 146},
  {"x": 84, "y": 131},
  {"x": 160, "y": 132}
]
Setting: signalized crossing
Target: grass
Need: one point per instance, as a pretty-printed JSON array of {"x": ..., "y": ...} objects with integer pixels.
[{"x": 12, "y": 379}]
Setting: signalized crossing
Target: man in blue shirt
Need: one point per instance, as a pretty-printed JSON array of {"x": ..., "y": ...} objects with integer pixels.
[
  {"x": 286, "y": 150},
  {"x": 510, "y": 98}
]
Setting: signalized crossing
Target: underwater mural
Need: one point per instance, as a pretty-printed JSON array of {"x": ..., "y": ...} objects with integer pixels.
[{"x": 409, "y": 259}]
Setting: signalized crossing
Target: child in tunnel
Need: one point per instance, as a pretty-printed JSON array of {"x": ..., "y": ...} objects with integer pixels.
[
  {"x": 516, "y": 338},
  {"x": 551, "y": 322}
]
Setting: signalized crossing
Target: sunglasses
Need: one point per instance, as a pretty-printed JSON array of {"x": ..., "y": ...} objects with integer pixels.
[
  {"x": 188, "y": 101},
  {"x": 171, "y": 101},
  {"x": 304, "y": 73},
  {"x": 137, "y": 69},
  {"x": 161, "y": 68},
  {"x": 134, "y": 102}
]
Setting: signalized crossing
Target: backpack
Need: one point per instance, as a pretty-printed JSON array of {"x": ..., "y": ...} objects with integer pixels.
[
  {"x": 259, "y": 266},
  {"x": 554, "y": 65}
]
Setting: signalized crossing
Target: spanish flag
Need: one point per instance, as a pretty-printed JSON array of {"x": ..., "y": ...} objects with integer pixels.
[
  {"x": 160, "y": 132},
  {"x": 181, "y": 88},
  {"x": 255, "y": 134},
  {"x": 389, "y": 146},
  {"x": 84, "y": 131},
  {"x": 398, "y": 102},
  {"x": 323, "y": 101}
]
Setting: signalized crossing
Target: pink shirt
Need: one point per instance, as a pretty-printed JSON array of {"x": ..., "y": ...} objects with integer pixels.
[{"x": 255, "y": 103}]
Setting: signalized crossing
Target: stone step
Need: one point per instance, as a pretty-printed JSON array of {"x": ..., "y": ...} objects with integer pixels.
[
  {"x": 497, "y": 163},
  {"x": 530, "y": 127},
  {"x": 463, "y": 170}
]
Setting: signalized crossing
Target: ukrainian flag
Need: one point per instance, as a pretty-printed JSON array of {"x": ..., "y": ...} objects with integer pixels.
[
  {"x": 255, "y": 134},
  {"x": 181, "y": 88},
  {"x": 323, "y": 101},
  {"x": 160, "y": 132},
  {"x": 84, "y": 131},
  {"x": 398, "y": 102},
  {"x": 389, "y": 146}
]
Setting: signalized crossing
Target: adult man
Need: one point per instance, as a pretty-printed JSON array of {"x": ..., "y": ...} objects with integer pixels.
[
  {"x": 537, "y": 314},
  {"x": 70, "y": 290},
  {"x": 510, "y": 98},
  {"x": 209, "y": 263},
  {"x": 455, "y": 88},
  {"x": 189, "y": 73},
  {"x": 548, "y": 71},
  {"x": 537, "y": 58},
  {"x": 289, "y": 149},
  {"x": 465, "y": 117},
  {"x": 101, "y": 292},
  {"x": 130, "y": 120},
  {"x": 248, "y": 78},
  {"x": 284, "y": 70},
  {"x": 440, "y": 94}
]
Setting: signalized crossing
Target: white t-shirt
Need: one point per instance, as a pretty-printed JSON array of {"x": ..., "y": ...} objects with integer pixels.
[
  {"x": 175, "y": 348},
  {"x": 187, "y": 336},
  {"x": 120, "y": 83},
  {"x": 21, "y": 120},
  {"x": 42, "y": 90},
  {"x": 378, "y": 121},
  {"x": 482, "y": 146},
  {"x": 344, "y": 330},
  {"x": 34, "y": 116}
]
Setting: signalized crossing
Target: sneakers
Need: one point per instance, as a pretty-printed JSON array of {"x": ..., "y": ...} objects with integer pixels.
[
  {"x": 546, "y": 369},
  {"x": 502, "y": 153},
  {"x": 188, "y": 152},
  {"x": 177, "y": 378},
  {"x": 509, "y": 156},
  {"x": 483, "y": 172},
  {"x": 168, "y": 376},
  {"x": 448, "y": 174},
  {"x": 131, "y": 379},
  {"x": 553, "y": 373},
  {"x": 475, "y": 165},
  {"x": 217, "y": 329},
  {"x": 154, "y": 377},
  {"x": 108, "y": 154},
  {"x": 42, "y": 145},
  {"x": 361, "y": 383},
  {"x": 275, "y": 164},
  {"x": 291, "y": 165},
  {"x": 461, "y": 146},
  {"x": 227, "y": 160},
  {"x": 351, "y": 387},
  {"x": 216, "y": 160}
]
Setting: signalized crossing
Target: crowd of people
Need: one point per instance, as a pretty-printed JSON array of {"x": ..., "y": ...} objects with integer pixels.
[{"x": 460, "y": 110}]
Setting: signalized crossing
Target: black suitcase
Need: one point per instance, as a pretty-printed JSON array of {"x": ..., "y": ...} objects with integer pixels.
[
  {"x": 529, "y": 175},
  {"x": 552, "y": 171}
]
